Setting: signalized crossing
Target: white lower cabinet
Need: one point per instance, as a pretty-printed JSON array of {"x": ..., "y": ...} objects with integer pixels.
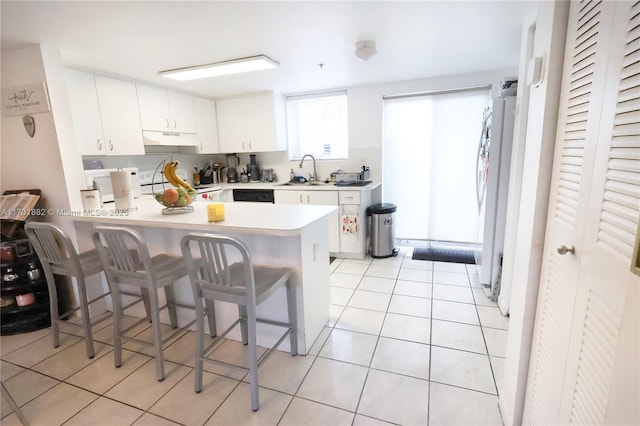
[
  {"x": 353, "y": 222},
  {"x": 326, "y": 198}
]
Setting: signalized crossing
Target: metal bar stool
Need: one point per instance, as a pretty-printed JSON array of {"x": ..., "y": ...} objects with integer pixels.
[
  {"x": 116, "y": 246},
  {"x": 243, "y": 283},
  {"x": 13, "y": 405},
  {"x": 58, "y": 255}
]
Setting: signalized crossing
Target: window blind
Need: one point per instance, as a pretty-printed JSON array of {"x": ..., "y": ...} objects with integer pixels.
[{"x": 317, "y": 124}]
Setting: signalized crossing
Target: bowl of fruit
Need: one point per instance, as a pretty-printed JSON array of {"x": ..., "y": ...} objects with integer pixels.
[{"x": 178, "y": 195}]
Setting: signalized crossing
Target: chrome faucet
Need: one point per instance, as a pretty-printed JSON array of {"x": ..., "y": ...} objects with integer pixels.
[{"x": 314, "y": 177}]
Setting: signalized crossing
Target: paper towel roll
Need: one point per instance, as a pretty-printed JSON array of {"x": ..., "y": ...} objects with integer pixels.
[{"x": 122, "y": 190}]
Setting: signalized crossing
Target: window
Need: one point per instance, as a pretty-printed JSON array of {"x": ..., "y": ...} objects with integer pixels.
[{"x": 317, "y": 124}]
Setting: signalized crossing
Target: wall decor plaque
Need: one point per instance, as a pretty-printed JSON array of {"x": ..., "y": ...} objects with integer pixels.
[{"x": 25, "y": 99}]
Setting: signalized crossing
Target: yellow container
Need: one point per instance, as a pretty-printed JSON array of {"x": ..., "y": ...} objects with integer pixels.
[{"x": 215, "y": 212}]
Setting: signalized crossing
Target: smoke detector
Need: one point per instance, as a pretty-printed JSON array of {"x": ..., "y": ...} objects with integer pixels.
[{"x": 365, "y": 50}]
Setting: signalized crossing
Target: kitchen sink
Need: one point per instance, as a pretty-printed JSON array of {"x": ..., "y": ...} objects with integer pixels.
[{"x": 293, "y": 183}]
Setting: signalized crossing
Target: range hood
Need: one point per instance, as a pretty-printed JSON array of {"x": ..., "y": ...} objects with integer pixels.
[{"x": 155, "y": 138}]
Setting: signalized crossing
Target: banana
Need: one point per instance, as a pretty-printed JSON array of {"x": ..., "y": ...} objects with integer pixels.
[
  {"x": 180, "y": 181},
  {"x": 176, "y": 180},
  {"x": 169, "y": 174}
]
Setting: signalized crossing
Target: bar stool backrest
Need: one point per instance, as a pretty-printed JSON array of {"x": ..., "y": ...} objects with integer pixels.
[
  {"x": 211, "y": 274},
  {"x": 54, "y": 248},
  {"x": 118, "y": 248}
]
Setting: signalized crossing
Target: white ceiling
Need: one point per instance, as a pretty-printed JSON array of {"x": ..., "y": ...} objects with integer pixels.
[{"x": 135, "y": 40}]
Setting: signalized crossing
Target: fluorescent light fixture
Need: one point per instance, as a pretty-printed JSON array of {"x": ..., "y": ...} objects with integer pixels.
[{"x": 234, "y": 66}]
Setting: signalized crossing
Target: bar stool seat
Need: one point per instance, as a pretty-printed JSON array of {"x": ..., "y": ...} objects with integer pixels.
[
  {"x": 213, "y": 277},
  {"x": 115, "y": 246},
  {"x": 59, "y": 256}
]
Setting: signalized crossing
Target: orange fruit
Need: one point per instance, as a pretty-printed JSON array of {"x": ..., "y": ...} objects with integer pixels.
[
  {"x": 188, "y": 199},
  {"x": 170, "y": 196}
]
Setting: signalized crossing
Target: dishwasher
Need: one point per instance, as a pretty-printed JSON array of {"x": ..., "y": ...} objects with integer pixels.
[{"x": 253, "y": 195}]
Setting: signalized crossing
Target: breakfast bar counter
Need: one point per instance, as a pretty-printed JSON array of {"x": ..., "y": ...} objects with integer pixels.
[{"x": 292, "y": 236}]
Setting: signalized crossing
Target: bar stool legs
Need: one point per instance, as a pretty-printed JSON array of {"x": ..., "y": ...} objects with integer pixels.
[
  {"x": 13, "y": 405},
  {"x": 214, "y": 276}
]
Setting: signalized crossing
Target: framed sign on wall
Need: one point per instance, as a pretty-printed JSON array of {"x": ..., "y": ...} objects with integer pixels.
[{"x": 25, "y": 99}]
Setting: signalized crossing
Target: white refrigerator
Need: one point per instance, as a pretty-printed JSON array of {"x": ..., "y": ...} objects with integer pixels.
[{"x": 492, "y": 184}]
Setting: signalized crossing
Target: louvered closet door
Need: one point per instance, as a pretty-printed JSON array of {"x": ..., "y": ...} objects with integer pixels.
[
  {"x": 602, "y": 360},
  {"x": 580, "y": 107},
  {"x": 577, "y": 371}
]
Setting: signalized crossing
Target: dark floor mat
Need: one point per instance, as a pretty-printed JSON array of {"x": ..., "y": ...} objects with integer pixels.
[{"x": 444, "y": 255}]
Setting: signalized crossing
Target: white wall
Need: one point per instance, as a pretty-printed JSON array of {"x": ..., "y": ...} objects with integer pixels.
[
  {"x": 50, "y": 160},
  {"x": 550, "y": 26},
  {"x": 365, "y": 123}
]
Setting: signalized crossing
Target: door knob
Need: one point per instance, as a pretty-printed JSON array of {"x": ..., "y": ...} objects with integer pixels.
[{"x": 562, "y": 250}]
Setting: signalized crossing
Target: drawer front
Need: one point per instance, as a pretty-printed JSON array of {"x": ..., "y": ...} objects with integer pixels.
[{"x": 349, "y": 197}]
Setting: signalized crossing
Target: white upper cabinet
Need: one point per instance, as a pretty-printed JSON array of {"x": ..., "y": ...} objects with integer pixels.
[
  {"x": 105, "y": 115},
  {"x": 250, "y": 124},
  {"x": 165, "y": 111},
  {"x": 206, "y": 126},
  {"x": 85, "y": 113}
]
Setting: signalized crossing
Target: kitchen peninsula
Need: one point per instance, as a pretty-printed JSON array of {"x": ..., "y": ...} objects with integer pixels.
[{"x": 292, "y": 236}]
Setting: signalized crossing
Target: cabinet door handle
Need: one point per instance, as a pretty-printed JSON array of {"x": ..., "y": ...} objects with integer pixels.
[
  {"x": 110, "y": 145},
  {"x": 300, "y": 198},
  {"x": 562, "y": 250},
  {"x": 167, "y": 120},
  {"x": 175, "y": 125},
  {"x": 308, "y": 199},
  {"x": 250, "y": 147},
  {"x": 99, "y": 145},
  {"x": 243, "y": 146}
]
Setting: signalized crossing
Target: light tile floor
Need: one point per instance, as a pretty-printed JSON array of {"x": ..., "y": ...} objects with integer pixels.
[{"x": 409, "y": 342}]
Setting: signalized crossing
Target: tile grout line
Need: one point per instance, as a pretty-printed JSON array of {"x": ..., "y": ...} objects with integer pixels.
[
  {"x": 373, "y": 354},
  {"x": 430, "y": 348},
  {"x": 484, "y": 339}
]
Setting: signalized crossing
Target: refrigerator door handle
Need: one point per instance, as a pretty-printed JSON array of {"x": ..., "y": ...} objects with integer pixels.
[
  {"x": 478, "y": 197},
  {"x": 479, "y": 192}
]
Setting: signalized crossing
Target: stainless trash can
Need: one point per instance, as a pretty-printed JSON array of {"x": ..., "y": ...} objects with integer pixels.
[{"x": 382, "y": 235}]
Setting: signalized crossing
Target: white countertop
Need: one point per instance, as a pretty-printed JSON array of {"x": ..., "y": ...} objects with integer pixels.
[
  {"x": 255, "y": 218},
  {"x": 294, "y": 187}
]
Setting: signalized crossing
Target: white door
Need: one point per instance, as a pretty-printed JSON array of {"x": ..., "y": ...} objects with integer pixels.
[
  {"x": 85, "y": 112},
  {"x": 231, "y": 125},
  {"x": 206, "y": 126},
  {"x": 182, "y": 112},
  {"x": 120, "y": 116},
  {"x": 584, "y": 364},
  {"x": 154, "y": 109},
  {"x": 261, "y": 124},
  {"x": 327, "y": 198}
]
